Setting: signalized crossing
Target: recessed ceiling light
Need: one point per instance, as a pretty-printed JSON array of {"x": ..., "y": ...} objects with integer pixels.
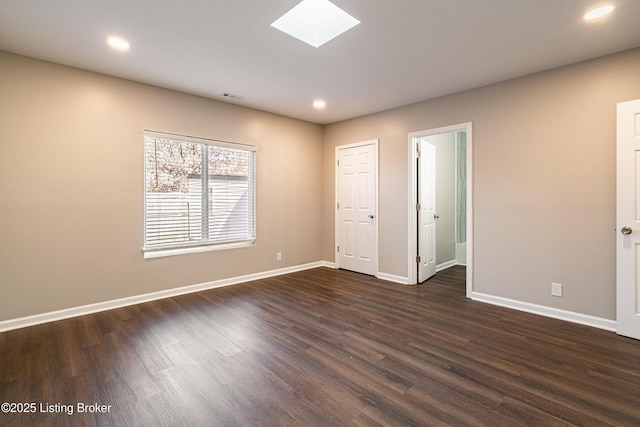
[
  {"x": 598, "y": 12},
  {"x": 319, "y": 104},
  {"x": 315, "y": 22},
  {"x": 118, "y": 43}
]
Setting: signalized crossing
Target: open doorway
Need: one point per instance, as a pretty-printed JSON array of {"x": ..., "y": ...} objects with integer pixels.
[{"x": 453, "y": 219}]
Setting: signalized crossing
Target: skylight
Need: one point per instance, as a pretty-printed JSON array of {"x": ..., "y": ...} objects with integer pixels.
[{"x": 315, "y": 22}]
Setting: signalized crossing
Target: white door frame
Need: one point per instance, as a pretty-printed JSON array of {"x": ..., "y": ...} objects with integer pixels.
[
  {"x": 373, "y": 142},
  {"x": 413, "y": 200}
]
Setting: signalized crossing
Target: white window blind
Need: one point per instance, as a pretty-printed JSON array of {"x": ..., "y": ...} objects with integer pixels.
[{"x": 198, "y": 193}]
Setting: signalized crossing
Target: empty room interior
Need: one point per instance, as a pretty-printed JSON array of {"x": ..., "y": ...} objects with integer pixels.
[{"x": 215, "y": 214}]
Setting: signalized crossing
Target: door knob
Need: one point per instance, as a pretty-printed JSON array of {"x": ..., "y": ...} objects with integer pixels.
[
  {"x": 436, "y": 216},
  {"x": 371, "y": 217},
  {"x": 626, "y": 230}
]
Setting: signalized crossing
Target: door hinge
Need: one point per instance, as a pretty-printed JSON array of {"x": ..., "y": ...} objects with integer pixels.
[
  {"x": 418, "y": 259},
  {"x": 418, "y": 206},
  {"x": 418, "y": 154},
  {"x": 338, "y": 248},
  {"x": 338, "y": 162},
  {"x": 338, "y": 205}
]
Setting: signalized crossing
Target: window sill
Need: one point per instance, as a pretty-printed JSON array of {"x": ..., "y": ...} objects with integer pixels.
[{"x": 165, "y": 252}]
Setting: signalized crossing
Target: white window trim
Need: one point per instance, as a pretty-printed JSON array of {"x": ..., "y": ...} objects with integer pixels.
[
  {"x": 180, "y": 249},
  {"x": 164, "y": 252}
]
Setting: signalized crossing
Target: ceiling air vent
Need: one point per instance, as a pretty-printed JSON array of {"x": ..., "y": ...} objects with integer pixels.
[{"x": 232, "y": 96}]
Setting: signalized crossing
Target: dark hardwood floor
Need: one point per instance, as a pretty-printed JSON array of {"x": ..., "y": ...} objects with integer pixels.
[{"x": 320, "y": 348}]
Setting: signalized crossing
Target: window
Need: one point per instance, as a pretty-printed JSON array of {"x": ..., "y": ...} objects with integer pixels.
[{"x": 199, "y": 194}]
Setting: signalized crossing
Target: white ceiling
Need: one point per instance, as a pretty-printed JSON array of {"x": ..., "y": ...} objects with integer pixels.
[{"x": 403, "y": 51}]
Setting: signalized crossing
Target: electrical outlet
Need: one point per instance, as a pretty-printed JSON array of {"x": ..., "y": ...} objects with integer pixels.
[
  {"x": 556, "y": 289},
  {"x": 278, "y": 256}
]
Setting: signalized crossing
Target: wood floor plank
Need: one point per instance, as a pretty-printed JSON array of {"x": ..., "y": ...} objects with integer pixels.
[{"x": 322, "y": 347}]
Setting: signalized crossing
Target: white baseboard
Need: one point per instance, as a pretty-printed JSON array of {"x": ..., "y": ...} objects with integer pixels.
[
  {"x": 570, "y": 316},
  {"x": 329, "y": 264},
  {"x": 393, "y": 278},
  {"x": 37, "y": 319},
  {"x": 382, "y": 276},
  {"x": 53, "y": 316},
  {"x": 446, "y": 265},
  {"x": 405, "y": 280}
]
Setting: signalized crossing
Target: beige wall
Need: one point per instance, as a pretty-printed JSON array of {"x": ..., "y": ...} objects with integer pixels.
[
  {"x": 72, "y": 186},
  {"x": 71, "y": 182},
  {"x": 544, "y": 180}
]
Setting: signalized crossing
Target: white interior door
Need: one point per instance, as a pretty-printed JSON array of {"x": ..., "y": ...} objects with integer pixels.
[
  {"x": 426, "y": 210},
  {"x": 356, "y": 207},
  {"x": 628, "y": 219}
]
